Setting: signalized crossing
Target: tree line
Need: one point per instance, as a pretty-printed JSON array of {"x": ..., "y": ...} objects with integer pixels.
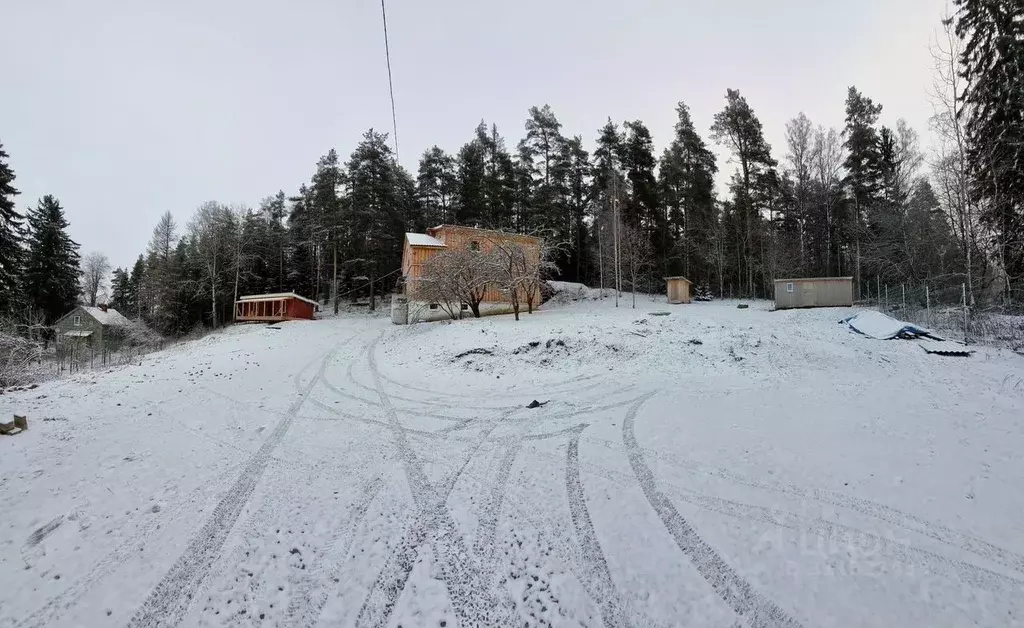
[{"x": 861, "y": 199}]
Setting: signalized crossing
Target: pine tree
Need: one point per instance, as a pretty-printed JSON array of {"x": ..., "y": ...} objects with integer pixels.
[
  {"x": 499, "y": 179},
  {"x": 687, "y": 188},
  {"x": 471, "y": 173},
  {"x": 737, "y": 128},
  {"x": 437, "y": 187},
  {"x": 578, "y": 201},
  {"x": 51, "y": 268},
  {"x": 863, "y": 168},
  {"x": 539, "y": 152},
  {"x": 331, "y": 228},
  {"x": 11, "y": 237},
  {"x": 992, "y": 63}
]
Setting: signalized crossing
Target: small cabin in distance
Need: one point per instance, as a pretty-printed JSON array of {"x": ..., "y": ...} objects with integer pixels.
[
  {"x": 678, "y": 289},
  {"x": 813, "y": 292},
  {"x": 274, "y": 308}
]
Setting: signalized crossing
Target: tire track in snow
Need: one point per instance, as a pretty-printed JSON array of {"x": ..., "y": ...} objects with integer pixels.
[
  {"x": 553, "y": 387},
  {"x": 307, "y": 598},
  {"x": 980, "y": 577},
  {"x": 488, "y": 522},
  {"x": 888, "y": 514},
  {"x": 169, "y": 600},
  {"x": 600, "y": 586},
  {"x": 51, "y": 612},
  {"x": 468, "y": 589},
  {"x": 746, "y": 602}
]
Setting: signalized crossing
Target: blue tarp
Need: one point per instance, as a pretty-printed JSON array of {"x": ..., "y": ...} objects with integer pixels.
[{"x": 877, "y": 325}]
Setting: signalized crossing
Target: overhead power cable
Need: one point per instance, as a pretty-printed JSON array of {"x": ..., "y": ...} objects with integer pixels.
[{"x": 391, "y": 86}]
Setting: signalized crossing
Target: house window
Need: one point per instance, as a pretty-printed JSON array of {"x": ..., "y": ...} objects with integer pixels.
[
  {"x": 465, "y": 306},
  {"x": 789, "y": 287},
  {"x": 474, "y": 246},
  {"x": 78, "y": 321},
  {"x": 433, "y": 306}
]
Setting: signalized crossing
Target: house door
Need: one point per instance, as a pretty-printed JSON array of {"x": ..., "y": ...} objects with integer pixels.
[{"x": 808, "y": 294}]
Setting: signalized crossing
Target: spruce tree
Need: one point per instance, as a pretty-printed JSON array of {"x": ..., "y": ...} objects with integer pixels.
[
  {"x": 51, "y": 268},
  {"x": 120, "y": 288},
  {"x": 687, "y": 186},
  {"x": 135, "y": 303},
  {"x": 301, "y": 245},
  {"x": 992, "y": 63},
  {"x": 11, "y": 237},
  {"x": 380, "y": 193}
]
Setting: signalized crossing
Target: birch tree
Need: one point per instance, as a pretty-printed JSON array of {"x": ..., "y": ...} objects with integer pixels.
[{"x": 210, "y": 232}]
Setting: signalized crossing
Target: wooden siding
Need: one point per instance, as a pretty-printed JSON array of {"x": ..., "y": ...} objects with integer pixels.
[
  {"x": 414, "y": 258},
  {"x": 813, "y": 292},
  {"x": 414, "y": 261},
  {"x": 678, "y": 290},
  {"x": 273, "y": 310},
  {"x": 67, "y": 323}
]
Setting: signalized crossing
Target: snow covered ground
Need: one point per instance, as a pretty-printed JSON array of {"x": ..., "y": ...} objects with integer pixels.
[{"x": 712, "y": 467}]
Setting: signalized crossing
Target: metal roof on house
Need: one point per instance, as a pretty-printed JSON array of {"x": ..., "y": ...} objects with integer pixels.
[
  {"x": 422, "y": 239},
  {"x": 108, "y": 317},
  {"x": 277, "y": 296}
]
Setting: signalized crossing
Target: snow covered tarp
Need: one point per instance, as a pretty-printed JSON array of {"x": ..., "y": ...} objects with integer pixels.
[{"x": 877, "y": 325}]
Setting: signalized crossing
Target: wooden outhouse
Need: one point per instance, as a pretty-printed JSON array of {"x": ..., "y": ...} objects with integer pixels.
[
  {"x": 678, "y": 289},
  {"x": 273, "y": 308},
  {"x": 813, "y": 292}
]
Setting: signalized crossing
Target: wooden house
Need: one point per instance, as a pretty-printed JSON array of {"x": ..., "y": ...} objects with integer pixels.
[
  {"x": 419, "y": 248},
  {"x": 95, "y": 327},
  {"x": 274, "y": 308}
]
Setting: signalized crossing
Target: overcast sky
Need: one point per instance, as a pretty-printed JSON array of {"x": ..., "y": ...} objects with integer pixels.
[{"x": 126, "y": 109}]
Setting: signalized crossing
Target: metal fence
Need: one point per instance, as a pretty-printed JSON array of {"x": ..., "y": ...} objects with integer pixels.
[{"x": 946, "y": 309}]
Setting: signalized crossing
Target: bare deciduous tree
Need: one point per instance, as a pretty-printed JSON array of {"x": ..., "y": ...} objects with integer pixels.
[
  {"x": 827, "y": 163},
  {"x": 636, "y": 256},
  {"x": 516, "y": 269},
  {"x": 95, "y": 270},
  {"x": 800, "y": 140},
  {"x": 454, "y": 277},
  {"x": 440, "y": 284},
  {"x": 950, "y": 162}
]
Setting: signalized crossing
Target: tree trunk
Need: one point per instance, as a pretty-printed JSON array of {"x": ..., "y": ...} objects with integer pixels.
[
  {"x": 335, "y": 280},
  {"x": 213, "y": 299}
]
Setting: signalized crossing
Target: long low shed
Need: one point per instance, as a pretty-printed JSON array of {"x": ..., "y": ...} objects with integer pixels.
[
  {"x": 270, "y": 308},
  {"x": 813, "y": 292}
]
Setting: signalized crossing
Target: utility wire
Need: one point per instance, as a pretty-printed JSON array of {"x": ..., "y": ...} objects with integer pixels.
[{"x": 391, "y": 87}]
